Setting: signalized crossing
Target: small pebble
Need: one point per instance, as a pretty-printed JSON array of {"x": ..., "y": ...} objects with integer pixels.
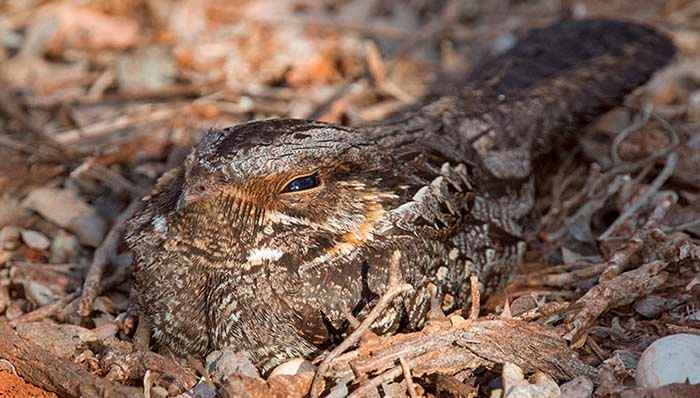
[
  {"x": 651, "y": 306},
  {"x": 516, "y": 386},
  {"x": 670, "y": 359},
  {"x": 522, "y": 304},
  {"x": 35, "y": 240},
  {"x": 38, "y": 293},
  {"x": 10, "y": 237},
  {"x": 223, "y": 363},
  {"x": 15, "y": 309},
  {"x": 292, "y": 367},
  {"x": 159, "y": 392},
  {"x": 67, "y": 209},
  {"x": 580, "y": 387}
]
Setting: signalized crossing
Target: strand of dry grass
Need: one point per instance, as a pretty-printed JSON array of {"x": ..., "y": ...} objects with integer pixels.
[{"x": 102, "y": 257}]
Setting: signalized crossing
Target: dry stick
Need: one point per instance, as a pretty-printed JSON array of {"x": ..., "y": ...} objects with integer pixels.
[
  {"x": 374, "y": 29},
  {"x": 669, "y": 168},
  {"x": 475, "y": 296},
  {"x": 404, "y": 365},
  {"x": 120, "y": 275},
  {"x": 409, "y": 379},
  {"x": 70, "y": 301},
  {"x": 483, "y": 343},
  {"x": 446, "y": 347},
  {"x": 394, "y": 288},
  {"x": 625, "y": 287},
  {"x": 377, "y": 381},
  {"x": 142, "y": 336},
  {"x": 594, "y": 204},
  {"x": 665, "y": 174},
  {"x": 44, "y": 369},
  {"x": 548, "y": 309},
  {"x": 565, "y": 176},
  {"x": 618, "y": 262},
  {"x": 46, "y": 311},
  {"x": 619, "y": 291},
  {"x": 681, "y": 227},
  {"x": 103, "y": 254},
  {"x": 413, "y": 346},
  {"x": 646, "y": 235},
  {"x": 627, "y": 131},
  {"x": 112, "y": 179},
  {"x": 38, "y": 151}
]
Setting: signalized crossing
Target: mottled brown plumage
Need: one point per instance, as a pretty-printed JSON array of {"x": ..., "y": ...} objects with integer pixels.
[{"x": 230, "y": 254}]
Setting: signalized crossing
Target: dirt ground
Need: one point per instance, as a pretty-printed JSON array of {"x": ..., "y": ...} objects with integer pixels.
[{"x": 12, "y": 386}]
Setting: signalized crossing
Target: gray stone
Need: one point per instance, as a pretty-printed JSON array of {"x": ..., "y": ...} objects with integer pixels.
[
  {"x": 35, "y": 240},
  {"x": 223, "y": 363},
  {"x": 670, "y": 359}
]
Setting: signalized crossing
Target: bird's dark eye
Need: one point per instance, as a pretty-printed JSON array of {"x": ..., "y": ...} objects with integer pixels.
[{"x": 303, "y": 183}]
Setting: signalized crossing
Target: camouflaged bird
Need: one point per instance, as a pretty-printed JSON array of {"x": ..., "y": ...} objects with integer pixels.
[{"x": 271, "y": 232}]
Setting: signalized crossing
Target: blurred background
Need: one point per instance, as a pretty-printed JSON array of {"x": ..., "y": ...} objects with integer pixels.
[{"x": 125, "y": 81}]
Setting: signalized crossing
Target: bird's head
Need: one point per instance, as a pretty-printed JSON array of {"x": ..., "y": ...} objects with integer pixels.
[{"x": 259, "y": 192}]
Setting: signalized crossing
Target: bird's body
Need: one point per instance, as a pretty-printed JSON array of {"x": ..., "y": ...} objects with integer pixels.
[{"x": 272, "y": 232}]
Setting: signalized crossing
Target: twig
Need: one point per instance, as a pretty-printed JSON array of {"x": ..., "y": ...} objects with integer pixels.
[
  {"x": 445, "y": 348},
  {"x": 619, "y": 291},
  {"x": 127, "y": 363},
  {"x": 394, "y": 288},
  {"x": 545, "y": 310},
  {"x": 675, "y": 390},
  {"x": 109, "y": 177},
  {"x": 142, "y": 336},
  {"x": 45, "y": 311},
  {"x": 594, "y": 204},
  {"x": 562, "y": 279},
  {"x": 408, "y": 378},
  {"x": 375, "y": 29},
  {"x": 681, "y": 227},
  {"x": 377, "y": 381},
  {"x": 99, "y": 129},
  {"x": 644, "y": 236},
  {"x": 619, "y": 262},
  {"x": 475, "y": 297},
  {"x": 665, "y": 174},
  {"x": 103, "y": 254},
  {"x": 627, "y": 131}
]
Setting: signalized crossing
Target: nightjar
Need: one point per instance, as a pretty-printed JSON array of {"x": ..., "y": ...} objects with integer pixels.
[{"x": 271, "y": 232}]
